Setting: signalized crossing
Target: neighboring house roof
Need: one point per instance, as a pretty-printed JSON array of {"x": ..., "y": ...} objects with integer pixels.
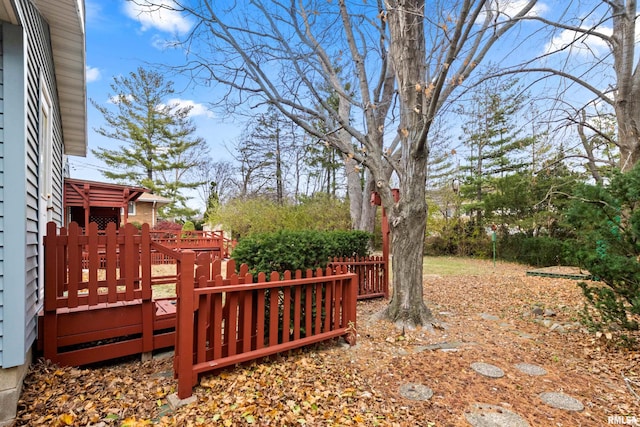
[
  {"x": 66, "y": 20},
  {"x": 149, "y": 198}
]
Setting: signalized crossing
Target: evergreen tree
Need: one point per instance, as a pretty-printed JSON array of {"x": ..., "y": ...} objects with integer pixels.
[
  {"x": 606, "y": 220},
  {"x": 495, "y": 148},
  {"x": 323, "y": 159},
  {"x": 158, "y": 144}
]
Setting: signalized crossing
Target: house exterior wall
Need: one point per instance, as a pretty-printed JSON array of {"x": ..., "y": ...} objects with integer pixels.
[
  {"x": 144, "y": 214},
  {"x": 27, "y": 64}
]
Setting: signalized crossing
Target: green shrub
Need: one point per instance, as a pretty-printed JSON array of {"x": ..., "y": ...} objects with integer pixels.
[
  {"x": 607, "y": 224},
  {"x": 459, "y": 239},
  {"x": 541, "y": 251},
  {"x": 260, "y": 215},
  {"x": 297, "y": 250}
]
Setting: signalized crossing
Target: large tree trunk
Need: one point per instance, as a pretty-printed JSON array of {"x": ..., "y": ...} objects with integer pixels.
[
  {"x": 407, "y": 223},
  {"x": 368, "y": 211},
  {"x": 354, "y": 190},
  {"x": 408, "y": 217},
  {"x": 627, "y": 106}
]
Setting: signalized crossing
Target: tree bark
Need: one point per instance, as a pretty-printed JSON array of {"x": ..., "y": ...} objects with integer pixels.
[
  {"x": 626, "y": 103},
  {"x": 408, "y": 217},
  {"x": 408, "y": 225}
]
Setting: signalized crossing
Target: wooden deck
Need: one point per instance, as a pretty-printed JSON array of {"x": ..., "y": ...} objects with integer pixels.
[{"x": 103, "y": 308}]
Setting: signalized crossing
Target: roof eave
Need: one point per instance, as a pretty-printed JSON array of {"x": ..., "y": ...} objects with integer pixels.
[{"x": 66, "y": 20}]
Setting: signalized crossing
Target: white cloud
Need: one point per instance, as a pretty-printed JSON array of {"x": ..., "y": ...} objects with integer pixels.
[
  {"x": 584, "y": 45},
  {"x": 197, "y": 109},
  {"x": 92, "y": 10},
  {"x": 162, "y": 43},
  {"x": 158, "y": 17},
  {"x": 92, "y": 73},
  {"x": 509, "y": 8},
  {"x": 117, "y": 99},
  {"x": 512, "y": 7}
]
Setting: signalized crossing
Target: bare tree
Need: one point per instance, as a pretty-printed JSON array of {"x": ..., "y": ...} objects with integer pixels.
[
  {"x": 219, "y": 172},
  {"x": 593, "y": 45},
  {"x": 404, "y": 58}
]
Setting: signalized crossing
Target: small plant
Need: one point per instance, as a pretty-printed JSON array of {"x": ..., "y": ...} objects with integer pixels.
[
  {"x": 352, "y": 333},
  {"x": 187, "y": 229}
]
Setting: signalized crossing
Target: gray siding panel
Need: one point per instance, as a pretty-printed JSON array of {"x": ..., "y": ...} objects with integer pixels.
[
  {"x": 2, "y": 104},
  {"x": 14, "y": 278},
  {"x": 39, "y": 69},
  {"x": 30, "y": 64}
]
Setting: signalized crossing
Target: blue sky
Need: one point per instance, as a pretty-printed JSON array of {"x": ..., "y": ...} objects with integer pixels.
[{"x": 119, "y": 40}]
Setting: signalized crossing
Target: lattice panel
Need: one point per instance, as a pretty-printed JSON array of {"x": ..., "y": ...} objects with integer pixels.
[{"x": 102, "y": 221}]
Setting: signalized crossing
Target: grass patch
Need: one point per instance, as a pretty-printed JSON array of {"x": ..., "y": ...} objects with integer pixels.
[{"x": 452, "y": 266}]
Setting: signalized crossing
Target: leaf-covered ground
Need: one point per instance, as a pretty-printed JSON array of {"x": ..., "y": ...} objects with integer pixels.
[{"x": 487, "y": 314}]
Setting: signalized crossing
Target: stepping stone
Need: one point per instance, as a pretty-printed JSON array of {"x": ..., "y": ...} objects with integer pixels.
[
  {"x": 530, "y": 369},
  {"x": 162, "y": 374},
  {"x": 439, "y": 346},
  {"x": 485, "y": 415},
  {"x": 487, "y": 370},
  {"x": 414, "y": 391},
  {"x": 524, "y": 335},
  {"x": 562, "y": 401}
]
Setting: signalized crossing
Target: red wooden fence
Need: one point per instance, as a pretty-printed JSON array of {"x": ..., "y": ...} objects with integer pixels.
[
  {"x": 103, "y": 308},
  {"x": 373, "y": 279},
  {"x": 107, "y": 310},
  {"x": 224, "y": 321}
]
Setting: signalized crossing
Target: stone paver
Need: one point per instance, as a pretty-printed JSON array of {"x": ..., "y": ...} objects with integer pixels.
[
  {"x": 413, "y": 391},
  {"x": 439, "y": 346},
  {"x": 486, "y": 415},
  {"x": 530, "y": 369},
  {"x": 561, "y": 401},
  {"x": 487, "y": 370}
]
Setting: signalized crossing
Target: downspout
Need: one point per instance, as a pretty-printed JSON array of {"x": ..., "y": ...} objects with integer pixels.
[{"x": 153, "y": 214}]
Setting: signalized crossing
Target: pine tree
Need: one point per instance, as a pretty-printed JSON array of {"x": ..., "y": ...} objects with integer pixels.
[
  {"x": 158, "y": 144},
  {"x": 495, "y": 147}
]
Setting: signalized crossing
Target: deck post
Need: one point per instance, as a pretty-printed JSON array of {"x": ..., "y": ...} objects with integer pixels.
[
  {"x": 50, "y": 323},
  {"x": 148, "y": 307},
  {"x": 185, "y": 328}
]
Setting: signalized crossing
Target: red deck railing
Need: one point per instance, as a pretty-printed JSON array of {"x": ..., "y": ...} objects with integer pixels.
[
  {"x": 195, "y": 240},
  {"x": 224, "y": 321},
  {"x": 102, "y": 309}
]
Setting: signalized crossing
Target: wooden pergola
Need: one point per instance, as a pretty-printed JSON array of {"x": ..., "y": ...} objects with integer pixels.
[{"x": 99, "y": 202}]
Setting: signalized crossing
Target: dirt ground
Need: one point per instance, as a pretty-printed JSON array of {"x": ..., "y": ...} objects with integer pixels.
[{"x": 496, "y": 315}]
